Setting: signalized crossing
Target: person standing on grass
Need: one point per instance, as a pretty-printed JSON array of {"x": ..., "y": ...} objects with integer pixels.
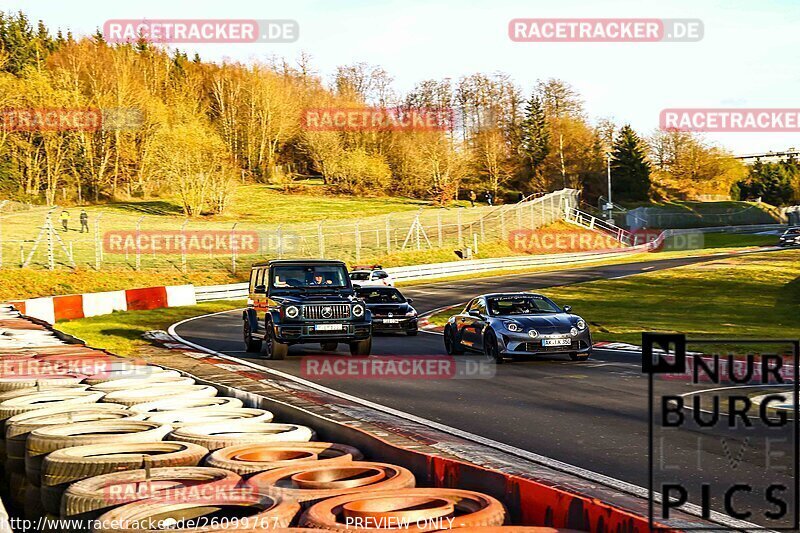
[
  {"x": 84, "y": 221},
  {"x": 65, "y": 220},
  {"x": 472, "y": 197},
  {"x": 489, "y": 198}
]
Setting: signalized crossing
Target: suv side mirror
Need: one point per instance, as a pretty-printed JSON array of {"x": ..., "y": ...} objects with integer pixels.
[
  {"x": 260, "y": 289},
  {"x": 567, "y": 308},
  {"x": 410, "y": 300},
  {"x": 475, "y": 313},
  {"x": 356, "y": 286}
]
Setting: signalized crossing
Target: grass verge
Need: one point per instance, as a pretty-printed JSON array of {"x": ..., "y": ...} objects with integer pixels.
[
  {"x": 121, "y": 332},
  {"x": 753, "y": 296}
]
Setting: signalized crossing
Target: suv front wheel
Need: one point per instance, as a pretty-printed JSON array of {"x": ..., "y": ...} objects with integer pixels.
[
  {"x": 275, "y": 349},
  {"x": 361, "y": 347}
]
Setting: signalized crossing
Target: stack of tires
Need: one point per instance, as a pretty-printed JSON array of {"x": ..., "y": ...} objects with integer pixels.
[{"x": 136, "y": 447}]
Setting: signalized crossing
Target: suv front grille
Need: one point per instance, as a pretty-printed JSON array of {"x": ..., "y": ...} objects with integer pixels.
[{"x": 326, "y": 311}]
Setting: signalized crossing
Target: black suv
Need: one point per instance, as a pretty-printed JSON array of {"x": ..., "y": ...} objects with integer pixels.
[{"x": 302, "y": 302}]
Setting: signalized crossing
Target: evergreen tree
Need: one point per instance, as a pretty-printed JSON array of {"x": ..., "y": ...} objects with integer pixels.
[
  {"x": 535, "y": 136},
  {"x": 630, "y": 169}
]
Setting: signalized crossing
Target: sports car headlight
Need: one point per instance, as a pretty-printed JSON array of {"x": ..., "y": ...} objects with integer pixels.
[
  {"x": 411, "y": 313},
  {"x": 513, "y": 326},
  {"x": 292, "y": 312},
  {"x": 533, "y": 333},
  {"x": 358, "y": 310},
  {"x": 573, "y": 332},
  {"x": 581, "y": 324}
]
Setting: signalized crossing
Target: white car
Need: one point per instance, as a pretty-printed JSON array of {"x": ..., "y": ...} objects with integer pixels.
[{"x": 371, "y": 278}]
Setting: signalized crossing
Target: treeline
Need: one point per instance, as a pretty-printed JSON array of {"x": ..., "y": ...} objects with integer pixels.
[{"x": 206, "y": 127}]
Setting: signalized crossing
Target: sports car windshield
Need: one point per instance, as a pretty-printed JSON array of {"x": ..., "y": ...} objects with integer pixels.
[
  {"x": 521, "y": 305},
  {"x": 792, "y": 231},
  {"x": 381, "y": 296},
  {"x": 309, "y": 277}
]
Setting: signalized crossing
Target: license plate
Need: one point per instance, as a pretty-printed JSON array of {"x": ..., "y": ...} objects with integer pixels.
[
  {"x": 329, "y": 327},
  {"x": 556, "y": 342},
  {"x": 391, "y": 320}
]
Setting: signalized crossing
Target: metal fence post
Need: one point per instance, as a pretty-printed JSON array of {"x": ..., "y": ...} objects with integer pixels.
[
  {"x": 358, "y": 240},
  {"x": 460, "y": 232},
  {"x": 475, "y": 242},
  {"x": 51, "y": 263},
  {"x": 233, "y": 248},
  {"x": 2, "y": 205},
  {"x": 388, "y": 235},
  {"x": 183, "y": 245},
  {"x": 439, "y": 228},
  {"x": 98, "y": 245},
  {"x": 320, "y": 240},
  {"x": 138, "y": 248}
]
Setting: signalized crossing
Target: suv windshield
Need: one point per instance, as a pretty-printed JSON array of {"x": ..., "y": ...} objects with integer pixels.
[
  {"x": 381, "y": 296},
  {"x": 309, "y": 276},
  {"x": 521, "y": 305}
]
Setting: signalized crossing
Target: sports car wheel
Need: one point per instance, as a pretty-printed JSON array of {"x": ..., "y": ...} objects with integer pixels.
[
  {"x": 490, "y": 347},
  {"x": 451, "y": 345},
  {"x": 250, "y": 344}
]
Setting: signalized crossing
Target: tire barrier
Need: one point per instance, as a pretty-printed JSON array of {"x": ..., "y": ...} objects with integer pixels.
[
  {"x": 413, "y": 510},
  {"x": 175, "y": 404},
  {"x": 68, "y": 465},
  {"x": 253, "y": 458},
  {"x": 221, "y": 435},
  {"x": 153, "y": 380},
  {"x": 166, "y": 390},
  {"x": 51, "y": 438},
  {"x": 18, "y": 427},
  {"x": 41, "y": 400},
  {"x": 186, "y": 417},
  {"x": 251, "y": 511},
  {"x": 92, "y": 427},
  {"x": 307, "y": 483},
  {"x": 89, "y": 498}
]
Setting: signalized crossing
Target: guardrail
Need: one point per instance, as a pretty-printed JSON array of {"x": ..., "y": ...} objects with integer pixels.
[{"x": 456, "y": 268}]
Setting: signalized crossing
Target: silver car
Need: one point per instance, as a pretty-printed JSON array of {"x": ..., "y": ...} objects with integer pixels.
[{"x": 506, "y": 325}]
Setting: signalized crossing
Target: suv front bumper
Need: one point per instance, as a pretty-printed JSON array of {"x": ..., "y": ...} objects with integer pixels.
[{"x": 300, "y": 333}]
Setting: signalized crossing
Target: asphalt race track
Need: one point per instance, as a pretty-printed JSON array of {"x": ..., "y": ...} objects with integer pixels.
[{"x": 589, "y": 414}]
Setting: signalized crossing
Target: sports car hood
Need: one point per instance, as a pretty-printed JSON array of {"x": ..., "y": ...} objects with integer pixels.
[{"x": 544, "y": 323}]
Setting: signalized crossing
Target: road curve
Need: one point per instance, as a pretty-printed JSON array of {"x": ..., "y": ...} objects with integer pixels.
[{"x": 590, "y": 414}]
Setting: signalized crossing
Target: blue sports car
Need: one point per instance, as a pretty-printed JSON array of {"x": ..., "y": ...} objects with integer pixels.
[{"x": 513, "y": 324}]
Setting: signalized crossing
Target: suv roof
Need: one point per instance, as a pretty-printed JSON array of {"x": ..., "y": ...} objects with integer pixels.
[{"x": 298, "y": 262}]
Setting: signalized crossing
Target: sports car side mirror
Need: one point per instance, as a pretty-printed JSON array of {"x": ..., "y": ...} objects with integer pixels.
[
  {"x": 410, "y": 300},
  {"x": 475, "y": 313},
  {"x": 567, "y": 308}
]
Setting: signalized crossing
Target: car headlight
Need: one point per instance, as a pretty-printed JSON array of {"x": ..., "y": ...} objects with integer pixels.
[
  {"x": 581, "y": 324},
  {"x": 513, "y": 326},
  {"x": 411, "y": 313},
  {"x": 533, "y": 333},
  {"x": 292, "y": 311},
  {"x": 573, "y": 332},
  {"x": 358, "y": 310}
]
